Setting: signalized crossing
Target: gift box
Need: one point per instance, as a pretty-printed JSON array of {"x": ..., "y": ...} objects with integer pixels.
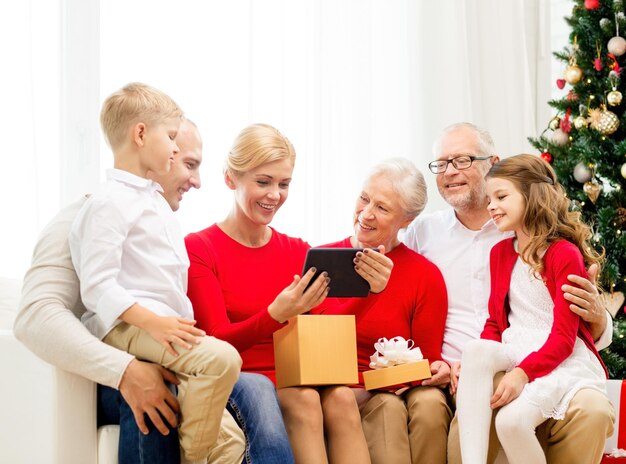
[
  {"x": 616, "y": 390},
  {"x": 316, "y": 350},
  {"x": 402, "y": 373}
]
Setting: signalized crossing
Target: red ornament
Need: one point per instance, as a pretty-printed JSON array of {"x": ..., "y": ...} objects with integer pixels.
[
  {"x": 560, "y": 83},
  {"x": 571, "y": 96},
  {"x": 566, "y": 124},
  {"x": 547, "y": 157},
  {"x": 592, "y": 4},
  {"x": 597, "y": 63}
]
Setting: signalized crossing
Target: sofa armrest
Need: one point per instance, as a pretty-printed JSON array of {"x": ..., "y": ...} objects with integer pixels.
[{"x": 48, "y": 415}]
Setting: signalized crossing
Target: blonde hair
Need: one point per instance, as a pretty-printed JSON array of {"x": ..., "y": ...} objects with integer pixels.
[
  {"x": 256, "y": 145},
  {"x": 132, "y": 104},
  {"x": 408, "y": 182},
  {"x": 547, "y": 217}
]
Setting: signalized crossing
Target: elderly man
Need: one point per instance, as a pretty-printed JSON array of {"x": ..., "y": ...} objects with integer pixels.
[{"x": 458, "y": 240}]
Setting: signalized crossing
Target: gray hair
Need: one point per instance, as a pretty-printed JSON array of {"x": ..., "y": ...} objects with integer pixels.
[
  {"x": 484, "y": 139},
  {"x": 407, "y": 181}
]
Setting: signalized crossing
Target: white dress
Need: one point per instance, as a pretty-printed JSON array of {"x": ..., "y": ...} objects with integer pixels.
[{"x": 530, "y": 320}]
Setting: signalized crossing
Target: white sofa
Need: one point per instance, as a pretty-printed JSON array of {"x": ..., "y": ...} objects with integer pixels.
[{"x": 48, "y": 415}]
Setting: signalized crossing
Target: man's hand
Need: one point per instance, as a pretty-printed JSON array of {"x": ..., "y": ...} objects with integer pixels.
[
  {"x": 586, "y": 301},
  {"x": 509, "y": 388},
  {"x": 455, "y": 371},
  {"x": 143, "y": 387},
  {"x": 440, "y": 374}
]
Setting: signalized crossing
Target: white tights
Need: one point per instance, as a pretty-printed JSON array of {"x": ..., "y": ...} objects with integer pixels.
[{"x": 515, "y": 422}]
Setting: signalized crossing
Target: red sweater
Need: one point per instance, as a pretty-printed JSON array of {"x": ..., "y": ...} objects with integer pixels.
[
  {"x": 413, "y": 305},
  {"x": 561, "y": 259},
  {"x": 232, "y": 285}
]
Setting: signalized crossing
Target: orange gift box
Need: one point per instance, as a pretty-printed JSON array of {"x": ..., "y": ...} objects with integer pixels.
[{"x": 316, "y": 350}]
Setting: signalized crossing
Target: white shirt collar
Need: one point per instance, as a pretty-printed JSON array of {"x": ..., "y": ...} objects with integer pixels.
[{"x": 126, "y": 177}]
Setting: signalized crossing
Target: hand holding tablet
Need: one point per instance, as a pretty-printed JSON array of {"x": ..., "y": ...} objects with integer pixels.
[{"x": 339, "y": 264}]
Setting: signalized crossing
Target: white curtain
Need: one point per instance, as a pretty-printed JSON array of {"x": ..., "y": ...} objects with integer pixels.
[{"x": 350, "y": 82}]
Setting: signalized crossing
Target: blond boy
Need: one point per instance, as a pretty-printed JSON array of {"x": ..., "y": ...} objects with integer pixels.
[{"x": 130, "y": 257}]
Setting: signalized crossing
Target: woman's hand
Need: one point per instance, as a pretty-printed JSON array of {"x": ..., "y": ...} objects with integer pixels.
[
  {"x": 455, "y": 371},
  {"x": 510, "y": 387},
  {"x": 374, "y": 267},
  {"x": 294, "y": 300},
  {"x": 440, "y": 371}
]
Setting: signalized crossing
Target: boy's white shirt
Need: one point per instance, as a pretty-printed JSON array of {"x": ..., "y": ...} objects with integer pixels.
[{"x": 127, "y": 248}]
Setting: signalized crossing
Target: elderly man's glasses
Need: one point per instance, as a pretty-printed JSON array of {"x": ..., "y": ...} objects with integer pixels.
[{"x": 459, "y": 163}]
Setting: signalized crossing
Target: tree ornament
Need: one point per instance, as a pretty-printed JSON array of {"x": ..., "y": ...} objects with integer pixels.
[
  {"x": 547, "y": 157},
  {"x": 592, "y": 4},
  {"x": 559, "y": 138},
  {"x": 582, "y": 173},
  {"x": 592, "y": 189},
  {"x": 560, "y": 83},
  {"x": 614, "y": 97},
  {"x": 573, "y": 73},
  {"x": 597, "y": 62},
  {"x": 617, "y": 45},
  {"x": 605, "y": 24},
  {"x": 555, "y": 123},
  {"x": 623, "y": 171},
  {"x": 566, "y": 125},
  {"x": 580, "y": 122},
  {"x": 603, "y": 120}
]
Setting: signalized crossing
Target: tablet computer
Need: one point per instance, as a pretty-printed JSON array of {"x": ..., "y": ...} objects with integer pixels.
[{"x": 339, "y": 264}]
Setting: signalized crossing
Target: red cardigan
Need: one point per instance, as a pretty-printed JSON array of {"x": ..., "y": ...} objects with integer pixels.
[{"x": 561, "y": 259}]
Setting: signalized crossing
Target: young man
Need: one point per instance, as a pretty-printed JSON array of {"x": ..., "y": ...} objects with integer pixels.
[{"x": 458, "y": 240}]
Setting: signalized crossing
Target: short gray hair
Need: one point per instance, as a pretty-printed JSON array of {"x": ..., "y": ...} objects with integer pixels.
[
  {"x": 407, "y": 181},
  {"x": 485, "y": 141}
]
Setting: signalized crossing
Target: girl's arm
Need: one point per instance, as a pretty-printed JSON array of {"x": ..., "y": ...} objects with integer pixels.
[{"x": 561, "y": 260}]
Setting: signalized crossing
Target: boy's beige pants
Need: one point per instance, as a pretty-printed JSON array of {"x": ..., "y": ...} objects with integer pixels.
[{"x": 207, "y": 373}]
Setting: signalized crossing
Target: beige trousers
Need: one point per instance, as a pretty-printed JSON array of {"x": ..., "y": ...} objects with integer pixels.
[
  {"x": 207, "y": 373},
  {"x": 578, "y": 438},
  {"x": 409, "y": 428},
  {"x": 231, "y": 443}
]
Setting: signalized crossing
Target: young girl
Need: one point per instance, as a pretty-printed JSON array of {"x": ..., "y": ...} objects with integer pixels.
[{"x": 546, "y": 349}]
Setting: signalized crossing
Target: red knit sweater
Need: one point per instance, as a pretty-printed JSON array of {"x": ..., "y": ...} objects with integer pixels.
[
  {"x": 561, "y": 259},
  {"x": 413, "y": 305}
]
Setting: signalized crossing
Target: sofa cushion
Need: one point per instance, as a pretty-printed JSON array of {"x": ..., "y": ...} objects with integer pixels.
[{"x": 9, "y": 299}]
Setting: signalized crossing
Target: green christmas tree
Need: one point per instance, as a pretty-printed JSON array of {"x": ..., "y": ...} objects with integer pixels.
[{"x": 585, "y": 142}]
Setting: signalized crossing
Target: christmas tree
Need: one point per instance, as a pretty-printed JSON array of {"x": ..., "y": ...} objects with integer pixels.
[{"x": 585, "y": 142}]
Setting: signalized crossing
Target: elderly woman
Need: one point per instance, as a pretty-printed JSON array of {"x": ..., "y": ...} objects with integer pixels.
[
  {"x": 244, "y": 284},
  {"x": 414, "y": 306}
]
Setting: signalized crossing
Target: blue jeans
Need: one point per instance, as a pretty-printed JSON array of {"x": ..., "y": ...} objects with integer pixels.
[
  {"x": 252, "y": 403},
  {"x": 134, "y": 446}
]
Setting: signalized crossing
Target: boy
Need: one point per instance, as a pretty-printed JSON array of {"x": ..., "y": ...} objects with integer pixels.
[{"x": 131, "y": 260}]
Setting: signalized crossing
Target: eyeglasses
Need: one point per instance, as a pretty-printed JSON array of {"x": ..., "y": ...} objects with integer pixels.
[{"x": 460, "y": 162}]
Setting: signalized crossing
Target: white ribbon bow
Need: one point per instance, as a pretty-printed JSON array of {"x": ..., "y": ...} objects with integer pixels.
[{"x": 393, "y": 352}]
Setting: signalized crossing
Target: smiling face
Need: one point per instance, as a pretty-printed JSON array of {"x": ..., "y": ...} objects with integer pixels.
[
  {"x": 464, "y": 189},
  {"x": 506, "y": 205},
  {"x": 261, "y": 191},
  {"x": 185, "y": 171},
  {"x": 378, "y": 215}
]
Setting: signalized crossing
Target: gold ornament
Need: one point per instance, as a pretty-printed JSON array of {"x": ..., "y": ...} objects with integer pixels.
[
  {"x": 555, "y": 123},
  {"x": 592, "y": 189},
  {"x": 614, "y": 97},
  {"x": 573, "y": 74},
  {"x": 623, "y": 170},
  {"x": 580, "y": 122},
  {"x": 603, "y": 120}
]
